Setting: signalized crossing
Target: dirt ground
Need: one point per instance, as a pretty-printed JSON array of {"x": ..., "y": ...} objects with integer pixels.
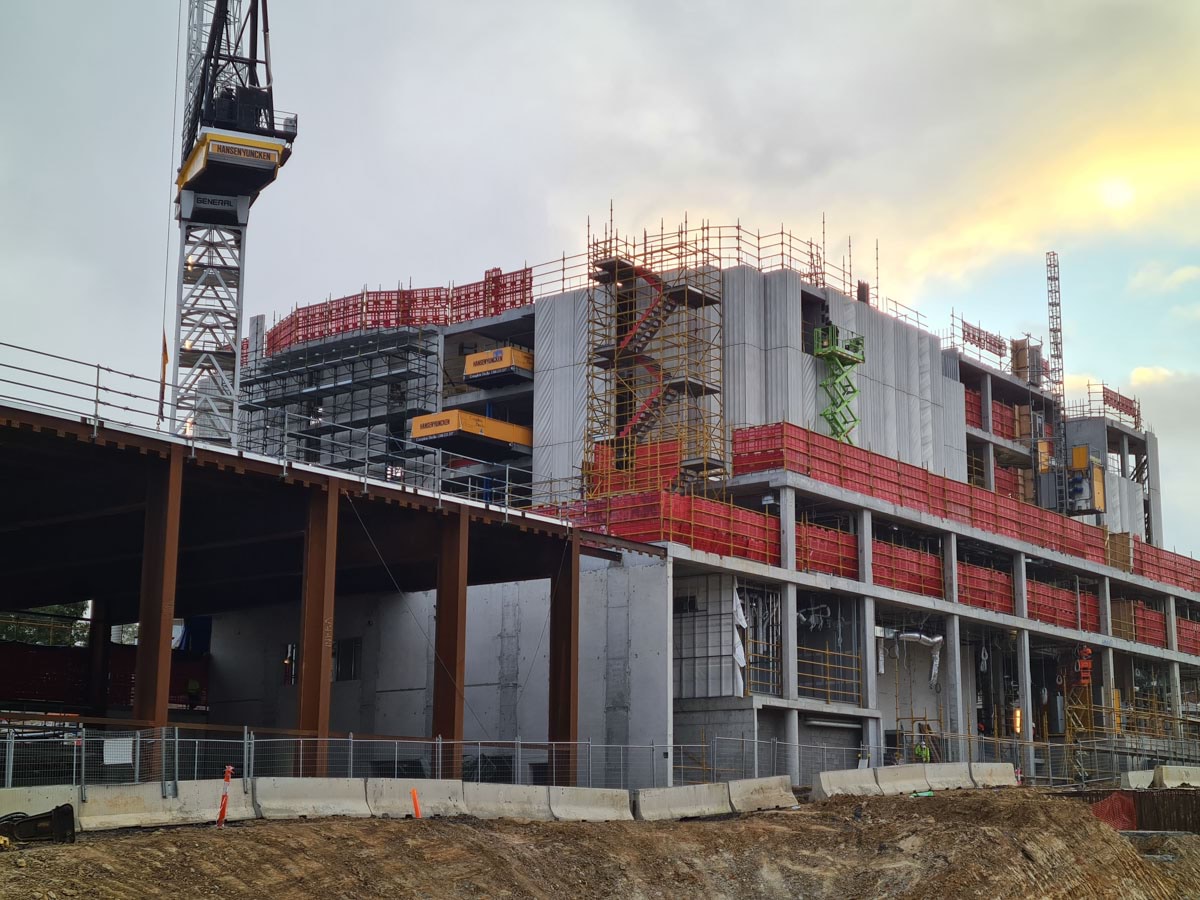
[{"x": 1012, "y": 843}]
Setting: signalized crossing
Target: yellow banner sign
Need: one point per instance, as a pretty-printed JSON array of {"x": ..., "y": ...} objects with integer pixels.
[{"x": 251, "y": 154}]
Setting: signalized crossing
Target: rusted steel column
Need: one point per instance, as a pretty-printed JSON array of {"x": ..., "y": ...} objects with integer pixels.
[
  {"x": 563, "y": 723},
  {"x": 316, "y": 616},
  {"x": 450, "y": 640},
  {"x": 156, "y": 611},
  {"x": 97, "y": 698}
]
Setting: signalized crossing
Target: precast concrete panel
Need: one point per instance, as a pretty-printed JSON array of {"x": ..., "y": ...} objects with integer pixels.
[
  {"x": 784, "y": 383},
  {"x": 782, "y": 308},
  {"x": 742, "y": 306}
]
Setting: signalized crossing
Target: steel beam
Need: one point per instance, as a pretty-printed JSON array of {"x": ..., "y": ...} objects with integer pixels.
[
  {"x": 450, "y": 639},
  {"x": 98, "y": 659},
  {"x": 563, "y": 724},
  {"x": 160, "y": 560},
  {"x": 316, "y": 621}
]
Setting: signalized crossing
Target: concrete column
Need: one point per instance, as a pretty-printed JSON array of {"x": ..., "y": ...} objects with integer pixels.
[
  {"x": 1105, "y": 596},
  {"x": 872, "y": 730},
  {"x": 1172, "y": 628},
  {"x": 787, "y": 528},
  {"x": 1108, "y": 674},
  {"x": 985, "y": 396},
  {"x": 1173, "y": 644},
  {"x": 950, "y": 566},
  {"x": 156, "y": 604},
  {"x": 316, "y": 617},
  {"x": 790, "y": 640},
  {"x": 865, "y": 536},
  {"x": 791, "y": 736},
  {"x": 1124, "y": 456},
  {"x": 952, "y": 679},
  {"x": 1020, "y": 590},
  {"x": 1176, "y": 692},
  {"x": 1025, "y": 699},
  {"x": 989, "y": 467}
]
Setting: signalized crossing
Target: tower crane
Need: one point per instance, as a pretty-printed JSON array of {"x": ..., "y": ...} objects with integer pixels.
[{"x": 234, "y": 143}]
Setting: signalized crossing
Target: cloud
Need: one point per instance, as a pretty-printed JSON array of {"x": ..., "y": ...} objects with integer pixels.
[
  {"x": 1186, "y": 312},
  {"x": 1148, "y": 375},
  {"x": 1155, "y": 278}
]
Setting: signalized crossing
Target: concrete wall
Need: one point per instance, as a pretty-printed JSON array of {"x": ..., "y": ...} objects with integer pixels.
[
  {"x": 560, "y": 337},
  {"x": 913, "y": 695},
  {"x": 909, "y": 407},
  {"x": 625, "y": 637}
]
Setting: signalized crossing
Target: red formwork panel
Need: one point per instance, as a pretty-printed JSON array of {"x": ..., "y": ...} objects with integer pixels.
[
  {"x": 1008, "y": 482},
  {"x": 783, "y": 445},
  {"x": 1004, "y": 420},
  {"x": 820, "y": 549},
  {"x": 1057, "y": 606},
  {"x": 655, "y": 466},
  {"x": 985, "y": 588},
  {"x": 974, "y": 401},
  {"x": 1149, "y": 625},
  {"x": 906, "y": 569},
  {"x": 1187, "y": 634}
]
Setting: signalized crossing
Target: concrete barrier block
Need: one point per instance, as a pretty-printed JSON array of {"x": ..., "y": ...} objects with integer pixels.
[
  {"x": 198, "y": 802},
  {"x": 579, "y": 804},
  {"x": 41, "y": 799},
  {"x": 1176, "y": 776},
  {"x": 1137, "y": 780},
  {"x": 507, "y": 801},
  {"x": 845, "y": 782},
  {"x": 991, "y": 774},
  {"x": 393, "y": 797},
  {"x": 124, "y": 806},
  {"x": 753, "y": 794},
  {"x": 294, "y": 798},
  {"x": 948, "y": 776},
  {"x": 893, "y": 780},
  {"x": 687, "y": 802}
]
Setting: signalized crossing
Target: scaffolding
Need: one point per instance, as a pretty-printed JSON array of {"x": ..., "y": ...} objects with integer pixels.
[
  {"x": 654, "y": 331},
  {"x": 305, "y": 400}
]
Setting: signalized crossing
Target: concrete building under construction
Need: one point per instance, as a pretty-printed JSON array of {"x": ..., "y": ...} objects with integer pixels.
[
  {"x": 874, "y": 534},
  {"x": 683, "y": 487}
]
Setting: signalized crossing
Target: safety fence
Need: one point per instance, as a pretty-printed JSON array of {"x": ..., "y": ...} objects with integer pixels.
[
  {"x": 86, "y": 757},
  {"x": 82, "y": 756},
  {"x": 101, "y": 397}
]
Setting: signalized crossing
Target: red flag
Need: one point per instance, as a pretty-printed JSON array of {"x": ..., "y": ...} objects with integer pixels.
[{"x": 162, "y": 380}]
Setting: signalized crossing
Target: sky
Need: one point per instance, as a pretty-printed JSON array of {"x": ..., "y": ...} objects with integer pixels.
[{"x": 437, "y": 140}]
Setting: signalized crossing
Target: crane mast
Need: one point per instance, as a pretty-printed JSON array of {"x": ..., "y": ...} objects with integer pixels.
[
  {"x": 234, "y": 143},
  {"x": 1056, "y": 379}
]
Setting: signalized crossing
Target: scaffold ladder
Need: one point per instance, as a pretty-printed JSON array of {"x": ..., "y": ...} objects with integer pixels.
[{"x": 841, "y": 355}]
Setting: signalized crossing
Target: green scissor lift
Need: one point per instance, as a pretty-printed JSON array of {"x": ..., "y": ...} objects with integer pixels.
[{"x": 841, "y": 354}]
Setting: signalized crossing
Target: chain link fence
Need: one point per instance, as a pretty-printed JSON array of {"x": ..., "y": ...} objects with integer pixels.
[{"x": 76, "y": 755}]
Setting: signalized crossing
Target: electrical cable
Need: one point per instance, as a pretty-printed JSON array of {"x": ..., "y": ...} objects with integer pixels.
[
  {"x": 171, "y": 152},
  {"x": 459, "y": 689}
]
